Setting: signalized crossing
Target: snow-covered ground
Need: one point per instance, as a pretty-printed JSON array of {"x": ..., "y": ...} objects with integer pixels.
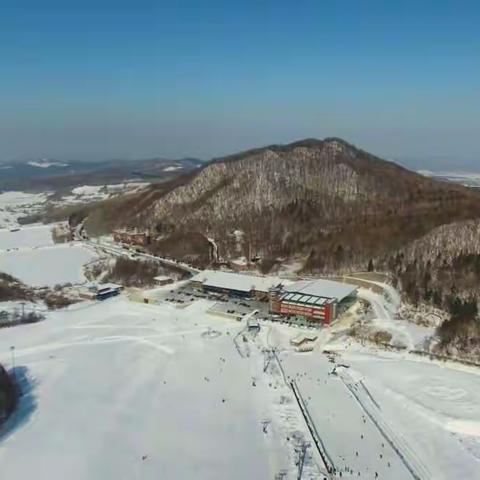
[
  {"x": 352, "y": 441},
  {"x": 385, "y": 309},
  {"x": 30, "y": 255},
  {"x": 14, "y": 205},
  {"x": 90, "y": 193},
  {"x": 469, "y": 179},
  {"x": 31, "y": 236},
  {"x": 432, "y": 408},
  {"x": 47, "y": 266},
  {"x": 118, "y": 390}
]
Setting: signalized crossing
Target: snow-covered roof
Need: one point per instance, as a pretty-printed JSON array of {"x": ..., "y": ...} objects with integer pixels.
[
  {"x": 304, "y": 337},
  {"x": 319, "y": 288},
  {"x": 108, "y": 286},
  {"x": 236, "y": 281},
  {"x": 162, "y": 278},
  {"x": 253, "y": 322}
]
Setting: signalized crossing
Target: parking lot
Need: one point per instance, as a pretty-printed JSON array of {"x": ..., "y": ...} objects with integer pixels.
[
  {"x": 227, "y": 306},
  {"x": 183, "y": 296}
]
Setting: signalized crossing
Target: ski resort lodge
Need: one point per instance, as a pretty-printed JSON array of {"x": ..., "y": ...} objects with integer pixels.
[
  {"x": 131, "y": 237},
  {"x": 316, "y": 300},
  {"x": 235, "y": 284}
]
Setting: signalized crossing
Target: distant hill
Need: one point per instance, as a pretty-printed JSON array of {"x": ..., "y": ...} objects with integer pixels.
[
  {"x": 468, "y": 179},
  {"x": 325, "y": 201},
  {"x": 48, "y": 174}
]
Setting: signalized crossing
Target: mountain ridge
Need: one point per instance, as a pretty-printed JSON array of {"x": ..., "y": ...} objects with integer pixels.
[
  {"x": 326, "y": 201},
  {"x": 42, "y": 174}
]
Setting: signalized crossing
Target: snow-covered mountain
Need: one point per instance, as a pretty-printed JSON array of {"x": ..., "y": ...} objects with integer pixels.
[
  {"x": 46, "y": 163},
  {"x": 326, "y": 200}
]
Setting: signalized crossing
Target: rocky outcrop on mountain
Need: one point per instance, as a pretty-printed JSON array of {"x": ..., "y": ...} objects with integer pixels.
[{"x": 325, "y": 200}]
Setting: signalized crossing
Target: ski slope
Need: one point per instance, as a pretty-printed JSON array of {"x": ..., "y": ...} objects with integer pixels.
[
  {"x": 352, "y": 441},
  {"x": 123, "y": 390},
  {"x": 118, "y": 390},
  {"x": 433, "y": 407}
]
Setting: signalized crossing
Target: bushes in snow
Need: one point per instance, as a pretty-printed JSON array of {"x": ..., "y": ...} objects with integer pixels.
[
  {"x": 13, "y": 289},
  {"x": 134, "y": 273}
]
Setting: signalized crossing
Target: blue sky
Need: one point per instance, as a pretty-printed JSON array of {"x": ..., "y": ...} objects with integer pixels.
[{"x": 129, "y": 79}]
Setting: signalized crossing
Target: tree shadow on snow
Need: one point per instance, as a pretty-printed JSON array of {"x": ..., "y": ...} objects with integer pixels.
[{"x": 26, "y": 402}]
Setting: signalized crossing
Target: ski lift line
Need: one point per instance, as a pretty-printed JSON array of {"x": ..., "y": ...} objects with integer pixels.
[
  {"x": 314, "y": 427},
  {"x": 367, "y": 391},
  {"x": 327, "y": 461},
  {"x": 401, "y": 456}
]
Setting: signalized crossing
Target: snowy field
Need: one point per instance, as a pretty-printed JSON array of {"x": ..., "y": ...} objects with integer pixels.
[
  {"x": 122, "y": 390},
  {"x": 31, "y": 236},
  {"x": 118, "y": 390},
  {"x": 47, "y": 266},
  {"x": 469, "y": 179},
  {"x": 91, "y": 193},
  {"x": 433, "y": 408},
  {"x": 14, "y": 205},
  {"x": 353, "y": 442}
]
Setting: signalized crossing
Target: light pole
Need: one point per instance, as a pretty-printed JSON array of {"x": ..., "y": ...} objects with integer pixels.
[{"x": 12, "y": 350}]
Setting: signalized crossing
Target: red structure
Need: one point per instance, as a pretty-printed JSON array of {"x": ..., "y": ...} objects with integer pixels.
[
  {"x": 132, "y": 237},
  {"x": 315, "y": 300},
  {"x": 324, "y": 312}
]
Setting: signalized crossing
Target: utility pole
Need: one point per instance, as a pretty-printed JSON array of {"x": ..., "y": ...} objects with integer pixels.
[{"x": 12, "y": 350}]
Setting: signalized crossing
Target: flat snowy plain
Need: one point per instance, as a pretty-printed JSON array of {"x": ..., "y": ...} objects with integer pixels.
[
  {"x": 46, "y": 267},
  {"x": 31, "y": 236},
  {"x": 31, "y": 256}
]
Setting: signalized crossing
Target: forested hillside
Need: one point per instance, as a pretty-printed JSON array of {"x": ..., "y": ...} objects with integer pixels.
[
  {"x": 324, "y": 204},
  {"x": 326, "y": 201}
]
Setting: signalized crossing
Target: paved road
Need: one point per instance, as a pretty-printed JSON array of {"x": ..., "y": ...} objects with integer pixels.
[{"x": 118, "y": 250}]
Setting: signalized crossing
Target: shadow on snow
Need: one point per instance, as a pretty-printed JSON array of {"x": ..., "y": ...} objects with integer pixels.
[{"x": 26, "y": 402}]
